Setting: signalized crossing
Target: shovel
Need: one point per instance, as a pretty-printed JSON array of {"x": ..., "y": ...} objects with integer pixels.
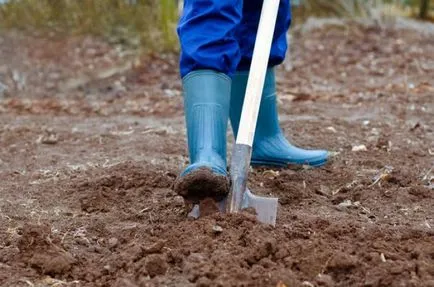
[{"x": 241, "y": 197}]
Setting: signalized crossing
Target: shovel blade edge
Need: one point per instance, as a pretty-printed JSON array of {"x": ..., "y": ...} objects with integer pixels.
[{"x": 265, "y": 207}]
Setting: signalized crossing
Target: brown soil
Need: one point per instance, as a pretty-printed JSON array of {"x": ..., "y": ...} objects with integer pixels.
[{"x": 89, "y": 158}]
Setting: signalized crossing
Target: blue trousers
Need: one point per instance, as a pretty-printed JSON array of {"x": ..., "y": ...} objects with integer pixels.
[{"x": 220, "y": 34}]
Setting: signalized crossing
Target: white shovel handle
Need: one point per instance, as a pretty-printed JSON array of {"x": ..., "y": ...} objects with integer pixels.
[{"x": 258, "y": 70}]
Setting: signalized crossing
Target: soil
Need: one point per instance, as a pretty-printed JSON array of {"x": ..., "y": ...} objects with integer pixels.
[{"x": 92, "y": 140}]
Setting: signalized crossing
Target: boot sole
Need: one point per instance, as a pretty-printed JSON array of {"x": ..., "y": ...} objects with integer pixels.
[{"x": 318, "y": 163}]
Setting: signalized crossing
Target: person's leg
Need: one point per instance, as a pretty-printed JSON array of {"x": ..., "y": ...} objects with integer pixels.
[
  {"x": 209, "y": 56},
  {"x": 270, "y": 146},
  {"x": 206, "y": 33}
]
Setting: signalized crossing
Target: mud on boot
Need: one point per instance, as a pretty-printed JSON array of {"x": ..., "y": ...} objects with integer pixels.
[{"x": 202, "y": 183}]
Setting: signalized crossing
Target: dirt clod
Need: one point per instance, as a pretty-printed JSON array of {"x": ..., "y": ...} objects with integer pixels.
[
  {"x": 113, "y": 242},
  {"x": 38, "y": 250},
  {"x": 217, "y": 229},
  {"x": 156, "y": 265}
]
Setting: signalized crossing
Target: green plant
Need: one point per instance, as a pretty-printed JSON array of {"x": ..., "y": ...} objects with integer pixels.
[{"x": 168, "y": 19}]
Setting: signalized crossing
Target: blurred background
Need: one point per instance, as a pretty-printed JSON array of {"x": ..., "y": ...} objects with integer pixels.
[{"x": 151, "y": 24}]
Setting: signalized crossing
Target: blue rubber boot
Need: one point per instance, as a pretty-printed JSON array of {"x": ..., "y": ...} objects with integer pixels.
[
  {"x": 206, "y": 106},
  {"x": 270, "y": 147}
]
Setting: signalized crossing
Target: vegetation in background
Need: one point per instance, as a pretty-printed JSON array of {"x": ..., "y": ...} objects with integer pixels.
[
  {"x": 151, "y": 23},
  {"x": 362, "y": 8},
  {"x": 424, "y": 9}
]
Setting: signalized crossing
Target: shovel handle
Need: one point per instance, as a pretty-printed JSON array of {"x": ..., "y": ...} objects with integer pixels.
[
  {"x": 242, "y": 151},
  {"x": 258, "y": 69}
]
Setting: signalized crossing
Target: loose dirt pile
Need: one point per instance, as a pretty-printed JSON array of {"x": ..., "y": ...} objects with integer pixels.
[{"x": 91, "y": 147}]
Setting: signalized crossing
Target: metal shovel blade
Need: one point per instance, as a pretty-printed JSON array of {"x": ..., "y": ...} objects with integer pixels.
[
  {"x": 241, "y": 197},
  {"x": 265, "y": 207}
]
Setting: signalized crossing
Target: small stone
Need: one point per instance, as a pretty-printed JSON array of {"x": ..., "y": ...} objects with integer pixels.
[
  {"x": 345, "y": 204},
  {"x": 217, "y": 229},
  {"x": 324, "y": 280},
  {"x": 178, "y": 201},
  {"x": 50, "y": 139},
  {"x": 271, "y": 173},
  {"x": 170, "y": 93},
  {"x": 113, "y": 242},
  {"x": 332, "y": 129},
  {"x": 359, "y": 148}
]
